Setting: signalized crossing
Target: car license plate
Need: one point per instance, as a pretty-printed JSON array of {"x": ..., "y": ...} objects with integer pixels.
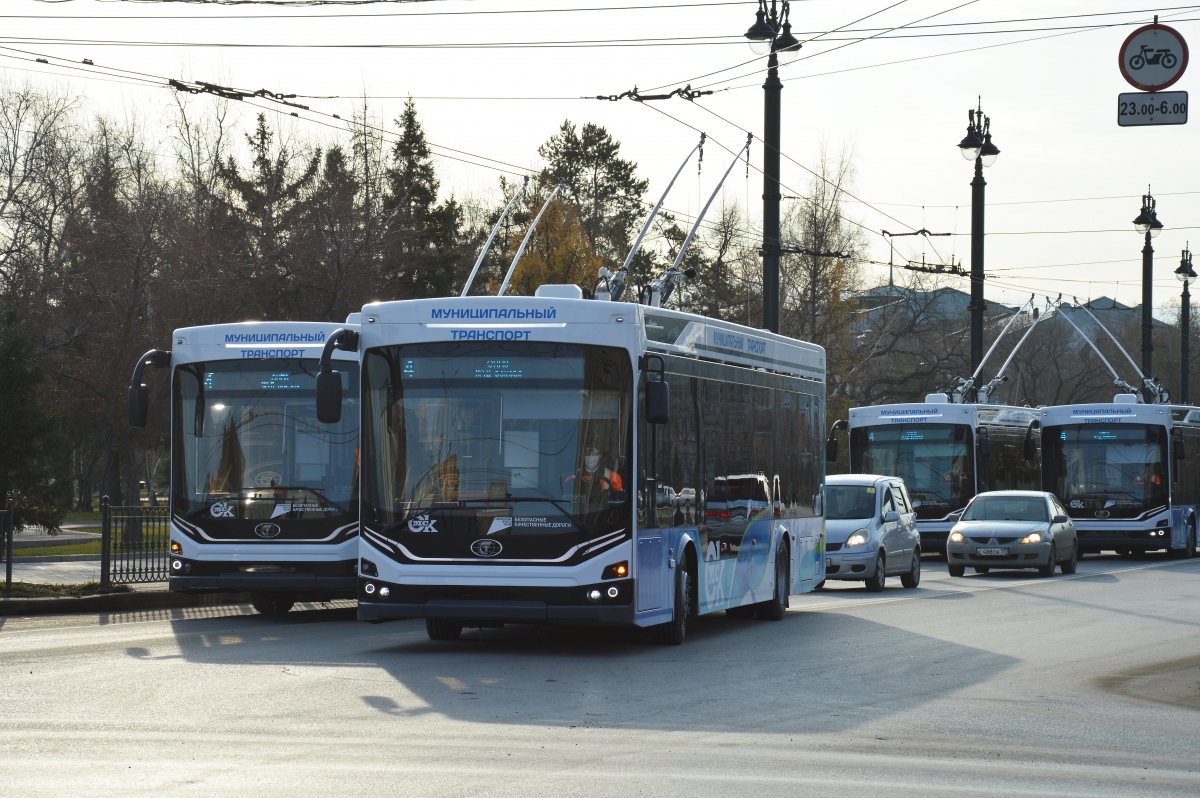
[{"x": 992, "y": 552}]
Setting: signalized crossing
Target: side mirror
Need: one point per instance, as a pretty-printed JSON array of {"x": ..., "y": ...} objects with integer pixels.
[
  {"x": 1059, "y": 519},
  {"x": 658, "y": 402},
  {"x": 1030, "y": 449},
  {"x": 1178, "y": 452},
  {"x": 329, "y": 397},
  {"x": 831, "y": 450},
  {"x": 985, "y": 447},
  {"x": 891, "y": 516},
  {"x": 139, "y": 405}
]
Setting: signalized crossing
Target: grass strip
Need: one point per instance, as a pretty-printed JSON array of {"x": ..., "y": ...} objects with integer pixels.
[{"x": 27, "y": 590}]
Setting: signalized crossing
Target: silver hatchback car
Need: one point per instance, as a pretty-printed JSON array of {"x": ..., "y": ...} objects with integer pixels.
[
  {"x": 1013, "y": 529},
  {"x": 870, "y": 531}
]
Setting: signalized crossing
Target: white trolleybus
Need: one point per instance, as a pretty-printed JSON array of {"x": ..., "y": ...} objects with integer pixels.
[
  {"x": 1128, "y": 473},
  {"x": 945, "y": 452},
  {"x": 263, "y": 498},
  {"x": 555, "y": 459}
]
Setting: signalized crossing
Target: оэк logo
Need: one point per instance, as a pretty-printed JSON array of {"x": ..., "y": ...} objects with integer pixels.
[
  {"x": 221, "y": 510},
  {"x": 422, "y": 523}
]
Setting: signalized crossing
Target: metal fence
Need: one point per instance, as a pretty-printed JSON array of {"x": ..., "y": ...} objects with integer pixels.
[{"x": 134, "y": 544}]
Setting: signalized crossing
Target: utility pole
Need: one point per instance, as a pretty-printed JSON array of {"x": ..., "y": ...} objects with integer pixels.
[
  {"x": 771, "y": 32},
  {"x": 1147, "y": 223},
  {"x": 977, "y": 146}
]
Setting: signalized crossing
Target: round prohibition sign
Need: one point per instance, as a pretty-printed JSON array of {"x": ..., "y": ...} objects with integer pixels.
[{"x": 1153, "y": 57}]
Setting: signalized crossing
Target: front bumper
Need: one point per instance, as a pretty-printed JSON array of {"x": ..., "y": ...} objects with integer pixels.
[
  {"x": 1021, "y": 555},
  {"x": 933, "y": 542},
  {"x": 337, "y": 579},
  {"x": 1120, "y": 540},
  {"x": 497, "y": 604},
  {"x": 851, "y": 565}
]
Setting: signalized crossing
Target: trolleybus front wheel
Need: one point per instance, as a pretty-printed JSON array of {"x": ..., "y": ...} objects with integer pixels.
[
  {"x": 674, "y": 631},
  {"x": 442, "y": 629},
  {"x": 272, "y": 603}
]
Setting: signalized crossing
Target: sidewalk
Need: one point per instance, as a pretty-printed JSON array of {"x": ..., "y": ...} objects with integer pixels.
[{"x": 58, "y": 571}]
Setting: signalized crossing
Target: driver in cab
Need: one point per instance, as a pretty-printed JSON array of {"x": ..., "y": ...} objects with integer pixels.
[{"x": 594, "y": 484}]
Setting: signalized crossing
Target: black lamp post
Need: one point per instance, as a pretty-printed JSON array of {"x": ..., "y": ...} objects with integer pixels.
[
  {"x": 771, "y": 33},
  {"x": 977, "y": 146},
  {"x": 1184, "y": 273},
  {"x": 1147, "y": 224}
]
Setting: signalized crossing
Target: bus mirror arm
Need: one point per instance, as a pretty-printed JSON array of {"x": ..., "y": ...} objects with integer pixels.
[
  {"x": 1030, "y": 451},
  {"x": 329, "y": 382},
  {"x": 831, "y": 445},
  {"x": 139, "y": 392}
]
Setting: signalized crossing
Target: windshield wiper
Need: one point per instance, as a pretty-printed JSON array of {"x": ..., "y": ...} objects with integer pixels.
[{"x": 507, "y": 499}]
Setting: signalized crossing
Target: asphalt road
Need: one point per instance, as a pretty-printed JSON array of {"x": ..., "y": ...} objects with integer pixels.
[{"x": 1004, "y": 684}]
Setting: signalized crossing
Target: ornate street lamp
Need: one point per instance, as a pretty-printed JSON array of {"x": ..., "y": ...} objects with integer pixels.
[
  {"x": 977, "y": 146},
  {"x": 1184, "y": 274},
  {"x": 1147, "y": 224},
  {"x": 771, "y": 33}
]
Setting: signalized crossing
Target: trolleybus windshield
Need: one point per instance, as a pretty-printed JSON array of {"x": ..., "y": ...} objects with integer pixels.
[
  {"x": 1116, "y": 469},
  {"x": 934, "y": 460},
  {"x": 248, "y": 444},
  {"x": 523, "y": 442}
]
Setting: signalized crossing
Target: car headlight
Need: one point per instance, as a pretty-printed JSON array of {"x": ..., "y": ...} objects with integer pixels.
[
  {"x": 859, "y": 538},
  {"x": 956, "y": 537},
  {"x": 1032, "y": 537}
]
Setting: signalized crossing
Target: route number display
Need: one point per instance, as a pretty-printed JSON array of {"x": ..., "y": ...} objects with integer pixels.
[{"x": 1139, "y": 108}]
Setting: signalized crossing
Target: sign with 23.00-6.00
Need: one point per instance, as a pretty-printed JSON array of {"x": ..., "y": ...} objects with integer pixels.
[
  {"x": 1153, "y": 57},
  {"x": 1137, "y": 108}
]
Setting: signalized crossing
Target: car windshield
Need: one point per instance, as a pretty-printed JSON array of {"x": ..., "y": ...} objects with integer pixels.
[
  {"x": 844, "y": 502},
  {"x": 1007, "y": 508}
]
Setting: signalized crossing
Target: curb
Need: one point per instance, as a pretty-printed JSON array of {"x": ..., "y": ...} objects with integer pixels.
[{"x": 117, "y": 602}]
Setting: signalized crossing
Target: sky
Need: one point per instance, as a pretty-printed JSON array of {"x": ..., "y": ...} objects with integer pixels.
[{"x": 891, "y": 80}]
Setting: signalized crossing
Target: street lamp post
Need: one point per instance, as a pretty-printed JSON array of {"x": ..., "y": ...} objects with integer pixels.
[
  {"x": 1184, "y": 273},
  {"x": 771, "y": 33},
  {"x": 1147, "y": 224},
  {"x": 977, "y": 146}
]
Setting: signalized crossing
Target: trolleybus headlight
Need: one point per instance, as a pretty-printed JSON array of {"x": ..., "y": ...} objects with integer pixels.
[
  {"x": 369, "y": 588},
  {"x": 176, "y": 565},
  {"x": 176, "y": 548},
  {"x": 617, "y": 570},
  {"x": 859, "y": 538},
  {"x": 613, "y": 592},
  {"x": 1032, "y": 537},
  {"x": 593, "y": 595},
  {"x": 384, "y": 592},
  {"x": 956, "y": 537}
]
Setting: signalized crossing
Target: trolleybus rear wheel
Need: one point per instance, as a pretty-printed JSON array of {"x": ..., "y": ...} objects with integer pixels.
[
  {"x": 442, "y": 629},
  {"x": 776, "y": 608}
]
